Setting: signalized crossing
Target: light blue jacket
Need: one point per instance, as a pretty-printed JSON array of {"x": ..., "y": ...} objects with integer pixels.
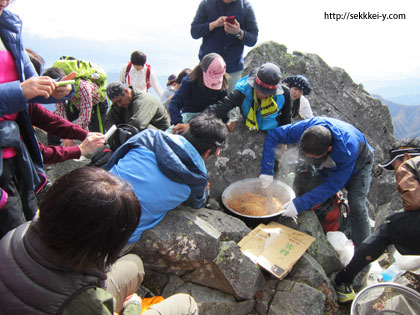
[
  {"x": 264, "y": 123},
  {"x": 350, "y": 152},
  {"x": 165, "y": 170}
]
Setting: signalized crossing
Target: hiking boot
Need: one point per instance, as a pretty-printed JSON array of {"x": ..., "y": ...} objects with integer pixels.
[{"x": 345, "y": 292}]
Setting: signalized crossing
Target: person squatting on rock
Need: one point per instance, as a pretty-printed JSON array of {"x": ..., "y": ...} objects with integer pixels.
[
  {"x": 139, "y": 74},
  {"x": 299, "y": 86},
  {"x": 135, "y": 107},
  {"x": 72, "y": 252},
  {"x": 205, "y": 85},
  {"x": 21, "y": 168},
  {"x": 59, "y": 127},
  {"x": 264, "y": 103},
  {"x": 343, "y": 158},
  {"x": 173, "y": 165},
  {"x": 401, "y": 229}
]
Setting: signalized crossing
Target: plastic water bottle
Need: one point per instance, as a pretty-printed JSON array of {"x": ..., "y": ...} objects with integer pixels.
[{"x": 391, "y": 273}]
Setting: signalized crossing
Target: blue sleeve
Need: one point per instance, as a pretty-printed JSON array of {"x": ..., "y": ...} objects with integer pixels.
[
  {"x": 250, "y": 28},
  {"x": 177, "y": 102},
  {"x": 11, "y": 98},
  {"x": 333, "y": 182},
  {"x": 200, "y": 24},
  {"x": 286, "y": 134},
  {"x": 197, "y": 197}
]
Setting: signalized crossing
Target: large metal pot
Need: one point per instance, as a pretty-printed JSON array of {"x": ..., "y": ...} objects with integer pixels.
[{"x": 279, "y": 190}]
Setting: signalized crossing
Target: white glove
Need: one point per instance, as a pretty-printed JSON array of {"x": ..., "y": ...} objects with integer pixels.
[
  {"x": 289, "y": 210},
  {"x": 265, "y": 180}
]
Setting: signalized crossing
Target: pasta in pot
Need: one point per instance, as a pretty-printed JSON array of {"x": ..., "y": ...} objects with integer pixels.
[{"x": 255, "y": 205}]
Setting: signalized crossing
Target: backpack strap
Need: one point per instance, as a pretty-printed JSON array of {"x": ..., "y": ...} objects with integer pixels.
[
  {"x": 127, "y": 70},
  {"x": 147, "y": 77}
]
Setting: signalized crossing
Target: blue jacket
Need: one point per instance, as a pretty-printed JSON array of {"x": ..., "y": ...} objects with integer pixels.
[
  {"x": 264, "y": 123},
  {"x": 12, "y": 99},
  {"x": 192, "y": 98},
  {"x": 165, "y": 170},
  {"x": 218, "y": 41},
  {"x": 350, "y": 152}
]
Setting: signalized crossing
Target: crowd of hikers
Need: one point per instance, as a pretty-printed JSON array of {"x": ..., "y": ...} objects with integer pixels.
[{"x": 67, "y": 252}]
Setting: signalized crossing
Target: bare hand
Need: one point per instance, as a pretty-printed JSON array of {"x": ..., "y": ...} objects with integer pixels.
[
  {"x": 230, "y": 126},
  {"x": 180, "y": 128},
  {"x": 67, "y": 142},
  {"x": 217, "y": 23},
  {"x": 64, "y": 90},
  {"x": 38, "y": 86},
  {"x": 232, "y": 28},
  {"x": 93, "y": 141},
  {"x": 132, "y": 298}
]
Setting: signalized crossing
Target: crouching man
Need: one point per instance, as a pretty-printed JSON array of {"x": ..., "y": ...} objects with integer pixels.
[{"x": 166, "y": 170}]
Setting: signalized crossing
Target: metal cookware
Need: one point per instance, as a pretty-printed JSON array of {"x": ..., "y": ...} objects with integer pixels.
[{"x": 279, "y": 190}]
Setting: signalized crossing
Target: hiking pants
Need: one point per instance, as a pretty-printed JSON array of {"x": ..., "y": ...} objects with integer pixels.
[
  {"x": 402, "y": 230},
  {"x": 357, "y": 191}
]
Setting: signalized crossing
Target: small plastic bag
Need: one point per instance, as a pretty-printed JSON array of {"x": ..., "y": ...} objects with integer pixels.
[
  {"x": 342, "y": 245},
  {"x": 407, "y": 262}
]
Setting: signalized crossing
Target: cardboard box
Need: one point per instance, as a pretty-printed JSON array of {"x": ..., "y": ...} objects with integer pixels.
[{"x": 275, "y": 247}]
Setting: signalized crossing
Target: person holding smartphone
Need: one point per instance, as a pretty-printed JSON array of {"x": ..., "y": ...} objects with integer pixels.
[{"x": 226, "y": 26}]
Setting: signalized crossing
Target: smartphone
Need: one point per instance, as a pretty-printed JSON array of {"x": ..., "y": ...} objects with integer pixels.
[
  {"x": 60, "y": 83},
  {"x": 231, "y": 19},
  {"x": 110, "y": 132}
]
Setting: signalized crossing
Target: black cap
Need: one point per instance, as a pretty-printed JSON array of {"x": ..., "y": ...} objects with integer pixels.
[
  {"x": 399, "y": 148},
  {"x": 299, "y": 81},
  {"x": 266, "y": 79}
]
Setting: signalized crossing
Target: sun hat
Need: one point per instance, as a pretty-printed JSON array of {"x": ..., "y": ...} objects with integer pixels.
[
  {"x": 410, "y": 146},
  {"x": 115, "y": 89},
  {"x": 266, "y": 79},
  {"x": 299, "y": 81},
  {"x": 214, "y": 68}
]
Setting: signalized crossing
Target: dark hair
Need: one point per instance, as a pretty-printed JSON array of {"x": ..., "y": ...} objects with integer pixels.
[
  {"x": 182, "y": 74},
  {"x": 138, "y": 58},
  {"x": 87, "y": 217},
  {"x": 36, "y": 60},
  {"x": 206, "y": 132},
  {"x": 197, "y": 75},
  {"x": 315, "y": 140},
  {"x": 54, "y": 73}
]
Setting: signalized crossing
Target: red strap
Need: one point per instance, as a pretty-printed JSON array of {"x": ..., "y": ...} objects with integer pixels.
[
  {"x": 147, "y": 77},
  {"x": 127, "y": 70}
]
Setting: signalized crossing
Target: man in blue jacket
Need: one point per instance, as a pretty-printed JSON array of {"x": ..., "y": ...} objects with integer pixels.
[
  {"x": 226, "y": 37},
  {"x": 343, "y": 158},
  {"x": 166, "y": 170}
]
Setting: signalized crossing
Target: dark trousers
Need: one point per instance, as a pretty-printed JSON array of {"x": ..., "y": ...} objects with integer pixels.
[
  {"x": 21, "y": 204},
  {"x": 401, "y": 229}
]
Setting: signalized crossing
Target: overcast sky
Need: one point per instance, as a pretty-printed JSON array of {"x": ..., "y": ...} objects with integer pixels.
[{"x": 366, "y": 49}]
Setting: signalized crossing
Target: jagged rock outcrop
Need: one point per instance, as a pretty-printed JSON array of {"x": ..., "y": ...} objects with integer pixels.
[
  {"x": 195, "y": 251},
  {"x": 334, "y": 94}
]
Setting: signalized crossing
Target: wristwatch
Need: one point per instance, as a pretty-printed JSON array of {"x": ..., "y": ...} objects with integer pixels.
[{"x": 238, "y": 36}]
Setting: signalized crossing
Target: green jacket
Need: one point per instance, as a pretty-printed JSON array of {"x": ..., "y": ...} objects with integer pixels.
[
  {"x": 146, "y": 111},
  {"x": 95, "y": 301}
]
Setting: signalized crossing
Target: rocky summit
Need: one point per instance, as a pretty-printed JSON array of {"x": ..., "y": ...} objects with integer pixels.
[{"x": 196, "y": 251}]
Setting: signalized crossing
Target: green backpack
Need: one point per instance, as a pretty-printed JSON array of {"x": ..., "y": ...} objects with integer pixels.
[{"x": 85, "y": 71}]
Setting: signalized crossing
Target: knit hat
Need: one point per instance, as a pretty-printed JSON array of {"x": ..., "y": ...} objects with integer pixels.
[
  {"x": 266, "y": 79},
  {"x": 300, "y": 82},
  {"x": 115, "y": 89},
  {"x": 410, "y": 146},
  {"x": 214, "y": 68}
]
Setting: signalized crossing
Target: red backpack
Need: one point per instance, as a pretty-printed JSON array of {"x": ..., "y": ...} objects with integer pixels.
[
  {"x": 127, "y": 76},
  {"x": 333, "y": 212}
]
